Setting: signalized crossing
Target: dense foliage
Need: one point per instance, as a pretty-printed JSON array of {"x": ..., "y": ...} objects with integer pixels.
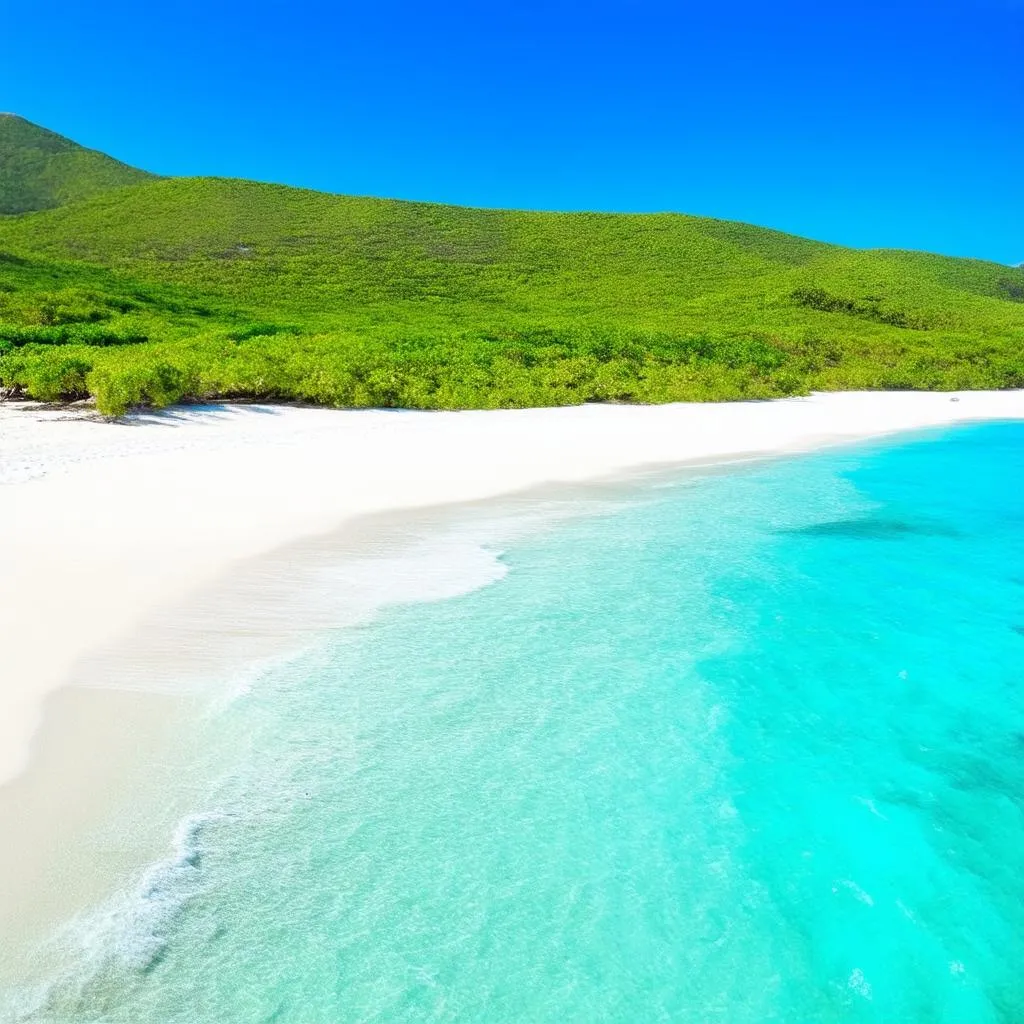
[
  {"x": 199, "y": 288},
  {"x": 40, "y": 169}
]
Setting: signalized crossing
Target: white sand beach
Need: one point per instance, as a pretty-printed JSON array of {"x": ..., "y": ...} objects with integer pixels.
[
  {"x": 109, "y": 524},
  {"x": 106, "y": 522}
]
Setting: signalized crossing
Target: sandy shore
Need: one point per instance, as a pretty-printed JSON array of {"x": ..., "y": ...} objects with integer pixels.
[
  {"x": 106, "y": 523},
  {"x": 145, "y": 553},
  {"x": 146, "y": 556}
]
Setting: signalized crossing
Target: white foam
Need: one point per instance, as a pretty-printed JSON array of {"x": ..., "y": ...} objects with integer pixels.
[
  {"x": 870, "y": 805},
  {"x": 859, "y": 983},
  {"x": 906, "y": 911},
  {"x": 431, "y": 570},
  {"x": 128, "y": 934},
  {"x": 854, "y": 889},
  {"x": 124, "y": 937},
  {"x": 224, "y": 638}
]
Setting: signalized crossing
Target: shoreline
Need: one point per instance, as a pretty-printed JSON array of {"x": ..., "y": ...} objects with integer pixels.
[
  {"x": 129, "y": 756},
  {"x": 113, "y": 522},
  {"x": 179, "y": 517}
]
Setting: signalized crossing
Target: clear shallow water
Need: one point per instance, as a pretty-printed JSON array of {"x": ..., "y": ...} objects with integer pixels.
[{"x": 747, "y": 747}]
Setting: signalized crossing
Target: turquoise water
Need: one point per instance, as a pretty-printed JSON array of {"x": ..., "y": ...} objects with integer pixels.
[{"x": 743, "y": 747}]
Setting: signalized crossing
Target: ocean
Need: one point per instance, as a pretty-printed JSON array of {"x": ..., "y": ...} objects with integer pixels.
[{"x": 718, "y": 745}]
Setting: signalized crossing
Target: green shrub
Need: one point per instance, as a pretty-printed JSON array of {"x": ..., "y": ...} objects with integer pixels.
[
  {"x": 354, "y": 302},
  {"x": 118, "y": 390},
  {"x": 58, "y": 379}
]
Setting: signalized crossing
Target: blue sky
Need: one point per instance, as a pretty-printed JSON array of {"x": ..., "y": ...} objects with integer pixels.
[{"x": 867, "y": 123}]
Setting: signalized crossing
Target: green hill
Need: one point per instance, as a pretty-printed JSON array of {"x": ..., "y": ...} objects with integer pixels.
[
  {"x": 210, "y": 288},
  {"x": 40, "y": 169}
]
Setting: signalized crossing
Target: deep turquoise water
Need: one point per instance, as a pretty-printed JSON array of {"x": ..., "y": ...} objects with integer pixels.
[{"x": 743, "y": 747}]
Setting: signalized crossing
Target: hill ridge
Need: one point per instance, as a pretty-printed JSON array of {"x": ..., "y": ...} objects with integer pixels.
[
  {"x": 209, "y": 287},
  {"x": 42, "y": 169}
]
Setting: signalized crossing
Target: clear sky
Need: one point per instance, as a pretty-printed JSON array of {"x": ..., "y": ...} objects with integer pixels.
[{"x": 869, "y": 123}]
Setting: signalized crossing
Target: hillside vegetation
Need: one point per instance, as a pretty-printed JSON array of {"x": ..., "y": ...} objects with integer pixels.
[
  {"x": 201, "y": 288},
  {"x": 40, "y": 169}
]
